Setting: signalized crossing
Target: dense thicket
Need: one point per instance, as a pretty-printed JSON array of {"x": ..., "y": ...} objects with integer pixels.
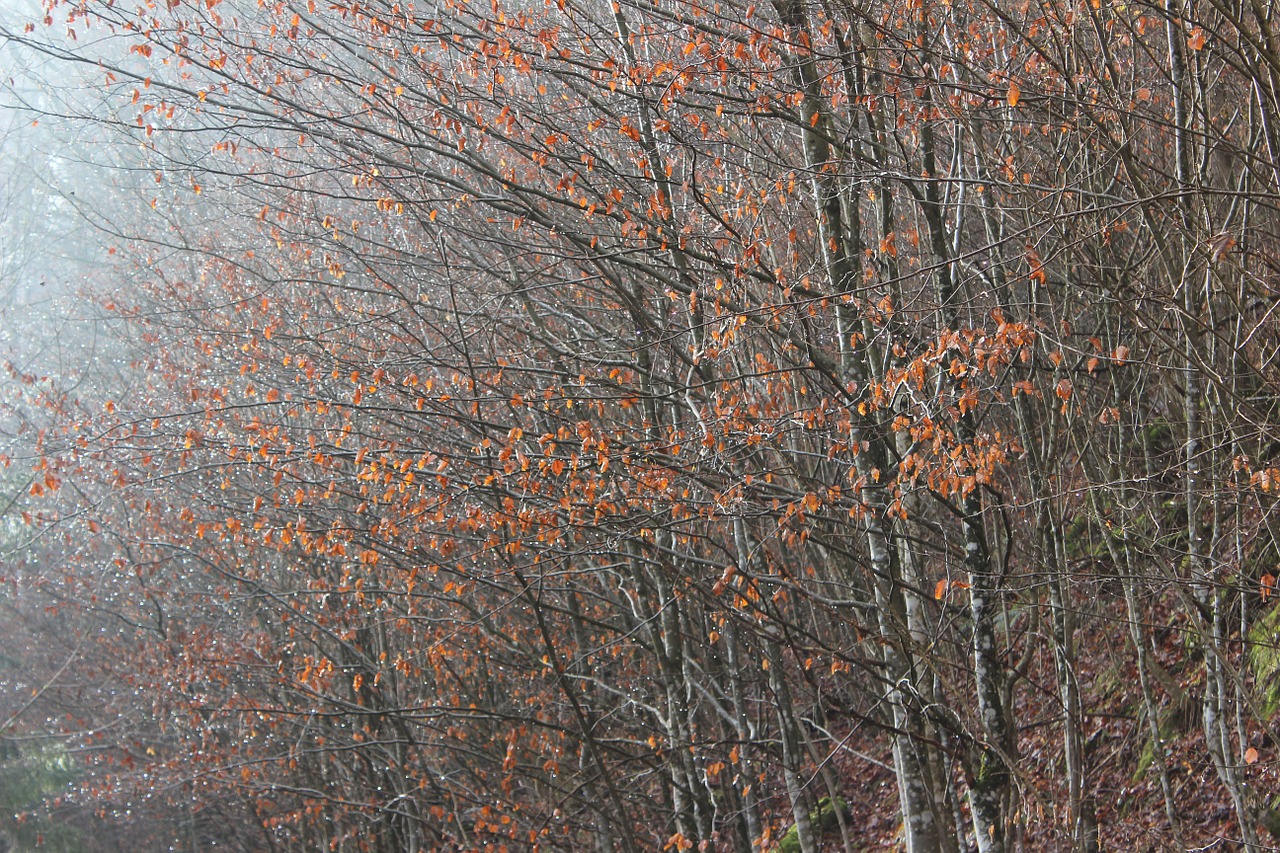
[{"x": 668, "y": 425}]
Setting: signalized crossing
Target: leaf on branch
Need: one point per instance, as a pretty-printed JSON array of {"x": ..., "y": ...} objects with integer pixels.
[
  {"x": 729, "y": 572},
  {"x": 1219, "y": 245},
  {"x": 1037, "y": 265}
]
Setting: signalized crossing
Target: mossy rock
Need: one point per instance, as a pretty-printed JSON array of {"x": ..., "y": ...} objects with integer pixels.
[{"x": 825, "y": 820}]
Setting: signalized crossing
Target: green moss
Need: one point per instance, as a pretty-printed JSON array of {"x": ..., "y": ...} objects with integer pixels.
[
  {"x": 1264, "y": 660},
  {"x": 825, "y": 820},
  {"x": 1270, "y": 818},
  {"x": 1147, "y": 757}
]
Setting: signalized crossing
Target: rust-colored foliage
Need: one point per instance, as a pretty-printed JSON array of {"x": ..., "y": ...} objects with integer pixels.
[{"x": 569, "y": 424}]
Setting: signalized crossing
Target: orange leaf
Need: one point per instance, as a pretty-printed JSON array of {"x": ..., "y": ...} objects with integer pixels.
[
  {"x": 1196, "y": 40},
  {"x": 940, "y": 589},
  {"x": 677, "y": 842},
  {"x": 1219, "y": 245},
  {"x": 1267, "y": 585},
  {"x": 1015, "y": 94},
  {"x": 1036, "y": 263},
  {"x": 1251, "y": 756},
  {"x": 727, "y": 576}
]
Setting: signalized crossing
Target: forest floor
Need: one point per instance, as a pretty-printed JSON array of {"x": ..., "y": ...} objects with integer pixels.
[{"x": 1122, "y": 785}]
